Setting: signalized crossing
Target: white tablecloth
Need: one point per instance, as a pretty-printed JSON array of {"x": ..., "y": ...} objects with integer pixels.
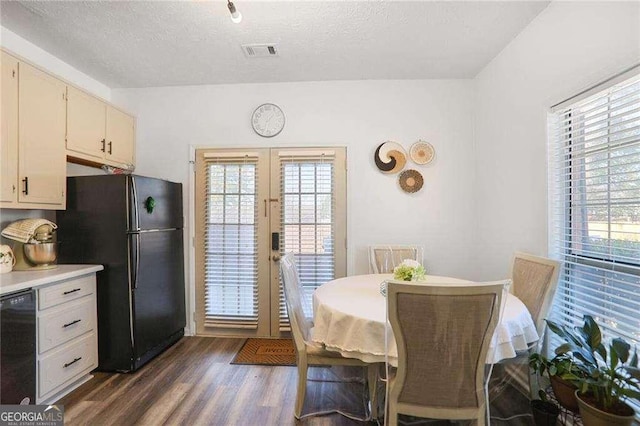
[{"x": 350, "y": 318}]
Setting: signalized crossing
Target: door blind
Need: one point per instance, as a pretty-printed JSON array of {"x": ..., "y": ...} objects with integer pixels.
[
  {"x": 307, "y": 191},
  {"x": 231, "y": 248},
  {"x": 594, "y": 189}
]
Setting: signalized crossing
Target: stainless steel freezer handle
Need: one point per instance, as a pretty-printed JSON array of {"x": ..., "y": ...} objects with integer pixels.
[
  {"x": 136, "y": 261},
  {"x": 135, "y": 202}
]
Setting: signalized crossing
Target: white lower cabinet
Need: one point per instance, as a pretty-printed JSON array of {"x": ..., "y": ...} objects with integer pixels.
[{"x": 67, "y": 336}]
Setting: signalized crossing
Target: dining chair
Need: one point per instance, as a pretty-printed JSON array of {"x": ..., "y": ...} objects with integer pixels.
[
  {"x": 535, "y": 280},
  {"x": 383, "y": 258},
  {"x": 443, "y": 334},
  {"x": 312, "y": 354}
]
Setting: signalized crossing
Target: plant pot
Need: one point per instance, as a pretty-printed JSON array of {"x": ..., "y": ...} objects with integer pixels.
[
  {"x": 544, "y": 413},
  {"x": 592, "y": 416},
  {"x": 565, "y": 393}
]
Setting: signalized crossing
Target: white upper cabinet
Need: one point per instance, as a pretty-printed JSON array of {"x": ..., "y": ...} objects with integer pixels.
[
  {"x": 120, "y": 136},
  {"x": 41, "y": 133},
  {"x": 46, "y": 122},
  {"x": 86, "y": 124},
  {"x": 9, "y": 135},
  {"x": 97, "y": 132}
]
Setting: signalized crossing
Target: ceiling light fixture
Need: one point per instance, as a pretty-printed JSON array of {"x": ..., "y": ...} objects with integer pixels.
[{"x": 236, "y": 16}]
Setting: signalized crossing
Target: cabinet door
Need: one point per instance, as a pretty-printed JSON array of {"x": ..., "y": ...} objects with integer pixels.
[
  {"x": 86, "y": 124},
  {"x": 9, "y": 124},
  {"x": 41, "y": 153},
  {"x": 120, "y": 136}
]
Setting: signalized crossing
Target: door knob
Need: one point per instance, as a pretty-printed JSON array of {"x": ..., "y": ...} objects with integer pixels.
[{"x": 276, "y": 257}]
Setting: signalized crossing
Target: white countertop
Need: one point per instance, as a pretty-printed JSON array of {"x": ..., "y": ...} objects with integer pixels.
[{"x": 20, "y": 280}]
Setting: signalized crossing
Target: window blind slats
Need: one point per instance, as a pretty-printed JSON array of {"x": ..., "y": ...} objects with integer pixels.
[
  {"x": 594, "y": 215},
  {"x": 231, "y": 248},
  {"x": 307, "y": 191},
  {"x": 624, "y": 101}
]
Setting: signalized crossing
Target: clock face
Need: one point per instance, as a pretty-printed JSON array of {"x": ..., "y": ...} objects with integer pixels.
[{"x": 267, "y": 120}]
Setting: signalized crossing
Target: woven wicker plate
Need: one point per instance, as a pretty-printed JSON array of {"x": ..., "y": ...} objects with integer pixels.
[
  {"x": 390, "y": 157},
  {"x": 422, "y": 152},
  {"x": 410, "y": 181}
]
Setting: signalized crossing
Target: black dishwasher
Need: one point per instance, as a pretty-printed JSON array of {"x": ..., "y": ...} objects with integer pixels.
[{"x": 18, "y": 348}]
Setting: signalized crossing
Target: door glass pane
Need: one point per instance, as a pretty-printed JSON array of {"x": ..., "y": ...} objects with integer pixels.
[
  {"x": 231, "y": 284},
  {"x": 308, "y": 222}
]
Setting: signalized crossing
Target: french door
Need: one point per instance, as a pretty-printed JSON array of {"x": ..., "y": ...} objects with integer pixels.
[{"x": 252, "y": 207}]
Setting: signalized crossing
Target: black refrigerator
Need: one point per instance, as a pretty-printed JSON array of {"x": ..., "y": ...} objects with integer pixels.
[{"x": 132, "y": 225}]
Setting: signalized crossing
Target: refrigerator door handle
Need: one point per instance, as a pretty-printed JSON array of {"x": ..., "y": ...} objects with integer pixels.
[
  {"x": 135, "y": 203},
  {"x": 136, "y": 261}
]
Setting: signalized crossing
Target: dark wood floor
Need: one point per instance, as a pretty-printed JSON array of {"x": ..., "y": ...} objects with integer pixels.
[{"x": 193, "y": 383}]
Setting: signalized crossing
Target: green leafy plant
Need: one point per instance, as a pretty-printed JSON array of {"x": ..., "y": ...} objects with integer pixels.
[
  {"x": 562, "y": 365},
  {"x": 610, "y": 375}
]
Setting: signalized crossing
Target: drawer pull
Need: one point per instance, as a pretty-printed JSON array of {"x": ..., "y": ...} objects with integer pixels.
[
  {"x": 71, "y": 323},
  {"x": 72, "y": 362},
  {"x": 72, "y": 291}
]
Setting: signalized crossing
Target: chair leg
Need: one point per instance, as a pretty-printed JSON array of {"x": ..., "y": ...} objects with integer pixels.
[
  {"x": 302, "y": 386},
  {"x": 392, "y": 415},
  {"x": 487, "y": 411},
  {"x": 533, "y": 384},
  {"x": 372, "y": 382},
  {"x": 484, "y": 420}
]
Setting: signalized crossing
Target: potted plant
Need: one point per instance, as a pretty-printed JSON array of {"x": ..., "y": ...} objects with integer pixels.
[
  {"x": 563, "y": 372},
  {"x": 609, "y": 377},
  {"x": 545, "y": 412}
]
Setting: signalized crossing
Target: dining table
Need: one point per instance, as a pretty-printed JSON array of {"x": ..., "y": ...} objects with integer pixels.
[{"x": 350, "y": 317}]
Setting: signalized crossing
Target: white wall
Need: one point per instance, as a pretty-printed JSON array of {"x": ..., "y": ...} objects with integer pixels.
[
  {"x": 32, "y": 53},
  {"x": 568, "y": 47},
  {"x": 358, "y": 115}
]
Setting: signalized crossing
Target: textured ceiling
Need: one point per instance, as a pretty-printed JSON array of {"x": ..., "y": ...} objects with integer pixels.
[{"x": 166, "y": 43}]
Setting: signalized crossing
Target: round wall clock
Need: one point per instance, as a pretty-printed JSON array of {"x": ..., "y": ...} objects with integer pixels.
[{"x": 267, "y": 120}]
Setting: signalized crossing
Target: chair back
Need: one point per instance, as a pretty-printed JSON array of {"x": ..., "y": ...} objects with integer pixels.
[
  {"x": 443, "y": 334},
  {"x": 383, "y": 258},
  {"x": 535, "y": 280},
  {"x": 300, "y": 324}
]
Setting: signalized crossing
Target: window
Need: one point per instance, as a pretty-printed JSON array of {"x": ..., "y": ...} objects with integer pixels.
[{"x": 594, "y": 190}]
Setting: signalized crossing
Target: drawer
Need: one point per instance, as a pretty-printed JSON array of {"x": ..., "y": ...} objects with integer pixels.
[
  {"x": 61, "y": 324},
  {"x": 67, "y": 363},
  {"x": 65, "y": 291}
]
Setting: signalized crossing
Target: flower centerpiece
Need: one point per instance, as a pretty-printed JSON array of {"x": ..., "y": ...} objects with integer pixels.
[{"x": 409, "y": 270}]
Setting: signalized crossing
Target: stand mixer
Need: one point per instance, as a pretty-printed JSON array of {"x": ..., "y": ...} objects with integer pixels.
[{"x": 35, "y": 246}]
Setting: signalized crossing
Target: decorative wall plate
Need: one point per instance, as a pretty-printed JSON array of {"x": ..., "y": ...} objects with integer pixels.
[
  {"x": 422, "y": 152},
  {"x": 410, "y": 181},
  {"x": 390, "y": 157}
]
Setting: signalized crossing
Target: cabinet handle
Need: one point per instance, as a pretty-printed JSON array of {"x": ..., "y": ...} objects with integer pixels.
[
  {"x": 25, "y": 191},
  {"x": 72, "y": 362},
  {"x": 103, "y": 142},
  {"x": 71, "y": 323},
  {"x": 110, "y": 146},
  {"x": 71, "y": 291}
]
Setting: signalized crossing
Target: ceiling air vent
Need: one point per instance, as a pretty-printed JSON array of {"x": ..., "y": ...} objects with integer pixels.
[{"x": 260, "y": 50}]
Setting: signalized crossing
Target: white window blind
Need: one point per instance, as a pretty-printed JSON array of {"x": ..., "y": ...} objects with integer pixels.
[
  {"x": 231, "y": 249},
  {"x": 307, "y": 191},
  {"x": 594, "y": 190}
]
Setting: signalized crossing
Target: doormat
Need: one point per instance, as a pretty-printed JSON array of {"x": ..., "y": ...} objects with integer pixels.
[{"x": 266, "y": 352}]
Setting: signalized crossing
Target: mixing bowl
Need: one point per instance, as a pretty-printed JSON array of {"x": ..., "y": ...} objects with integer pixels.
[{"x": 41, "y": 253}]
